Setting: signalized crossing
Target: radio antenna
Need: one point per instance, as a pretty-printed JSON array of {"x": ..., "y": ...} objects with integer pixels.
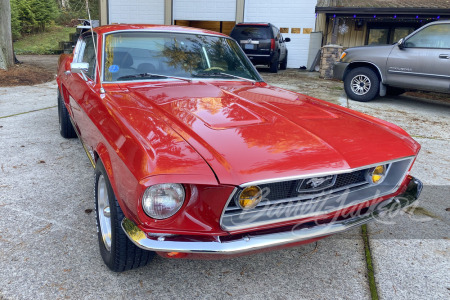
[{"x": 102, "y": 90}]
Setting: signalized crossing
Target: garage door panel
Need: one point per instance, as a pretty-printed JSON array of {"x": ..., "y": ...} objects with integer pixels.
[
  {"x": 204, "y": 10},
  {"x": 136, "y": 11}
]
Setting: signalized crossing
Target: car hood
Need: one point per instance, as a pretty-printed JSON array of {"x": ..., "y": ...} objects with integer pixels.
[
  {"x": 248, "y": 132},
  {"x": 368, "y": 51}
]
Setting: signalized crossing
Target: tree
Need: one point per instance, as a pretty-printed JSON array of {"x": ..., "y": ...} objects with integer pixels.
[{"x": 6, "y": 49}]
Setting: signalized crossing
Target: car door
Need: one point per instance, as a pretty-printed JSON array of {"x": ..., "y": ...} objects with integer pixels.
[
  {"x": 422, "y": 61},
  {"x": 83, "y": 90}
]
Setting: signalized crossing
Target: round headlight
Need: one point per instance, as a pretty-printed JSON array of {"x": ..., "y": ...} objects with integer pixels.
[
  {"x": 377, "y": 174},
  {"x": 250, "y": 197},
  {"x": 161, "y": 201}
]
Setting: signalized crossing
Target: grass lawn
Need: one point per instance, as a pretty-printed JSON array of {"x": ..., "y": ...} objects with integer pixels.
[{"x": 45, "y": 42}]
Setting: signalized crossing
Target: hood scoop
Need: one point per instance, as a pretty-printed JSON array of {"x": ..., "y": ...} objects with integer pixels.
[{"x": 218, "y": 114}]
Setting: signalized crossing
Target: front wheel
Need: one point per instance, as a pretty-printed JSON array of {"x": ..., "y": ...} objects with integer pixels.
[
  {"x": 362, "y": 84},
  {"x": 116, "y": 249}
]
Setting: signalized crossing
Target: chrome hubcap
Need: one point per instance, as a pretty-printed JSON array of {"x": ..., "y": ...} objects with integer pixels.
[
  {"x": 104, "y": 212},
  {"x": 360, "y": 84}
]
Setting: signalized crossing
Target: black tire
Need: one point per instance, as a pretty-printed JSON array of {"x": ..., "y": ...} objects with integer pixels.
[
  {"x": 274, "y": 64},
  {"x": 118, "y": 252},
  {"x": 65, "y": 126},
  {"x": 362, "y": 84},
  {"x": 394, "y": 91},
  {"x": 283, "y": 64}
]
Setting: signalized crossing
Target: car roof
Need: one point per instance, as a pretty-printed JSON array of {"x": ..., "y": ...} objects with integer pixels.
[
  {"x": 440, "y": 21},
  {"x": 150, "y": 27},
  {"x": 254, "y": 24}
]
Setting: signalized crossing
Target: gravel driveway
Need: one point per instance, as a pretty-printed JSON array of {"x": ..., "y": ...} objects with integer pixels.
[{"x": 48, "y": 243}]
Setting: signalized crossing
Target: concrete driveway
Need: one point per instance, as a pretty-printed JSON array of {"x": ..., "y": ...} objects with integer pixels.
[{"x": 48, "y": 243}]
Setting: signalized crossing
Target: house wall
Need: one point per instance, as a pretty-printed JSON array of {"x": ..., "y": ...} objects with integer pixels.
[{"x": 353, "y": 37}]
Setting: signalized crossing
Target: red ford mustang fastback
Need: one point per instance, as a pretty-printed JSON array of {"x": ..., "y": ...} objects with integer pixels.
[{"x": 196, "y": 156}]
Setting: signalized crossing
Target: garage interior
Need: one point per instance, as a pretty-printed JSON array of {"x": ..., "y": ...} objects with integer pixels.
[{"x": 218, "y": 26}]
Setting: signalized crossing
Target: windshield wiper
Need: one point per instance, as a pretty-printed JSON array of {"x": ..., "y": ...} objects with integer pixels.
[
  {"x": 221, "y": 74},
  {"x": 151, "y": 75}
]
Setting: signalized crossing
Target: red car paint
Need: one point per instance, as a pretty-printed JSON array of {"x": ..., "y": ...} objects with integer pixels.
[{"x": 212, "y": 136}]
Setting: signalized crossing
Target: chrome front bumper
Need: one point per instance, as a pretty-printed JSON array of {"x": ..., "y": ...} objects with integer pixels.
[{"x": 258, "y": 242}]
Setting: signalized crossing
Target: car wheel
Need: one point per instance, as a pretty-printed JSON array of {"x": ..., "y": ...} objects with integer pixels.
[
  {"x": 274, "y": 65},
  {"x": 65, "y": 126},
  {"x": 362, "y": 84},
  {"x": 394, "y": 91},
  {"x": 283, "y": 64},
  {"x": 116, "y": 249}
]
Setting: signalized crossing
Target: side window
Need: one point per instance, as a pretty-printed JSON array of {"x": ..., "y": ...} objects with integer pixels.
[
  {"x": 88, "y": 56},
  {"x": 277, "y": 33},
  {"x": 434, "y": 36}
]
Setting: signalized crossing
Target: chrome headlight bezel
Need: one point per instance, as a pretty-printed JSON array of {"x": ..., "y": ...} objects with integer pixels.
[{"x": 162, "y": 201}]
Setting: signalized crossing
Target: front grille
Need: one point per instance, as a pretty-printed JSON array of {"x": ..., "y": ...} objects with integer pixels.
[
  {"x": 287, "y": 191},
  {"x": 295, "y": 199}
]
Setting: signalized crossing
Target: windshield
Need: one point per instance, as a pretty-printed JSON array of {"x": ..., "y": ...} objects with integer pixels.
[{"x": 152, "y": 56}]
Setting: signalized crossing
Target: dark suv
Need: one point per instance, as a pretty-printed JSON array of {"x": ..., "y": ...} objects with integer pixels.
[{"x": 263, "y": 44}]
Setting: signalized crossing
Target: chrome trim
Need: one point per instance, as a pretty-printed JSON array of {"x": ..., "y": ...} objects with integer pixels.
[
  {"x": 258, "y": 55},
  {"x": 288, "y": 178},
  {"x": 288, "y": 206},
  {"x": 249, "y": 41},
  {"x": 91, "y": 158},
  {"x": 194, "y": 79},
  {"x": 256, "y": 242},
  {"x": 419, "y": 74},
  {"x": 356, "y": 186}
]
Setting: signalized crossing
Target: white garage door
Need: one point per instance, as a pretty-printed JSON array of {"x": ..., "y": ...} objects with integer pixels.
[
  {"x": 298, "y": 16},
  {"x": 204, "y": 10},
  {"x": 136, "y": 11}
]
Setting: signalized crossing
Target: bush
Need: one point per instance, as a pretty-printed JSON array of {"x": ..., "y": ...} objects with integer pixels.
[
  {"x": 31, "y": 16},
  {"x": 15, "y": 22},
  {"x": 76, "y": 9}
]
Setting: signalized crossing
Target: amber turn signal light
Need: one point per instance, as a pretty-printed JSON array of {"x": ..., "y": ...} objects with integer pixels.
[
  {"x": 378, "y": 174},
  {"x": 250, "y": 197}
]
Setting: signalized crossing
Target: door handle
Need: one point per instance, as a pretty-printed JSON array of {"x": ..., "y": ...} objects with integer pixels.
[{"x": 444, "y": 56}]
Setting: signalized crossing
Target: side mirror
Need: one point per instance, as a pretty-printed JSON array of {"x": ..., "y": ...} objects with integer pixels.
[
  {"x": 79, "y": 67},
  {"x": 401, "y": 44},
  {"x": 287, "y": 40}
]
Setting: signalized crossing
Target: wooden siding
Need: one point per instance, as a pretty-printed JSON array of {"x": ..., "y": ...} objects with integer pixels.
[{"x": 352, "y": 38}]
